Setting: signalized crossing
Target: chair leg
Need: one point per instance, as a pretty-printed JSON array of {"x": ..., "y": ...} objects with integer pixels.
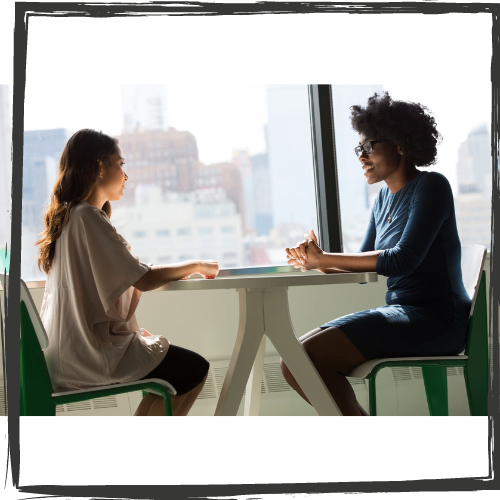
[
  {"x": 167, "y": 401},
  {"x": 476, "y": 383},
  {"x": 168, "y": 405},
  {"x": 372, "y": 395},
  {"x": 476, "y": 372},
  {"x": 436, "y": 389}
]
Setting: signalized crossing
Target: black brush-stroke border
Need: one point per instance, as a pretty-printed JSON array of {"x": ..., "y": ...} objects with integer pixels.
[{"x": 23, "y": 12}]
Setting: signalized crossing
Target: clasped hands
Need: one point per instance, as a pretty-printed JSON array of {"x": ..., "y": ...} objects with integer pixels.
[{"x": 306, "y": 255}]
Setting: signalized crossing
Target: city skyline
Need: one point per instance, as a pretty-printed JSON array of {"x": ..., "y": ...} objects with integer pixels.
[{"x": 102, "y": 111}]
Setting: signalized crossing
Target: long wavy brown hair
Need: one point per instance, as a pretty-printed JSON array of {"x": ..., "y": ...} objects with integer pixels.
[{"x": 78, "y": 176}]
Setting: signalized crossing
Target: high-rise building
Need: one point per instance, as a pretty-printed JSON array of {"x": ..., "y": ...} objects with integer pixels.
[
  {"x": 224, "y": 175},
  {"x": 474, "y": 175},
  {"x": 5, "y": 167},
  {"x": 262, "y": 194},
  {"x": 262, "y": 201},
  {"x": 242, "y": 160},
  {"x": 474, "y": 162},
  {"x": 42, "y": 151},
  {"x": 144, "y": 108},
  {"x": 167, "y": 159}
]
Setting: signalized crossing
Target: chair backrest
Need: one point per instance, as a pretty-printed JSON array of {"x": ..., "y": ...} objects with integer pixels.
[
  {"x": 32, "y": 310},
  {"x": 35, "y": 385},
  {"x": 473, "y": 257},
  {"x": 476, "y": 348}
]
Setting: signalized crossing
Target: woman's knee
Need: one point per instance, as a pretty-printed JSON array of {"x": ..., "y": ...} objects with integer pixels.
[
  {"x": 205, "y": 368},
  {"x": 203, "y": 371},
  {"x": 287, "y": 375},
  {"x": 334, "y": 350}
]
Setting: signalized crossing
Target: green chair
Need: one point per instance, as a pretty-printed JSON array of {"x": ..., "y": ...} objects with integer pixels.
[
  {"x": 474, "y": 360},
  {"x": 37, "y": 396}
]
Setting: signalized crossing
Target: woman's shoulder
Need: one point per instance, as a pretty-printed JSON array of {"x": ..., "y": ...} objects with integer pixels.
[
  {"x": 432, "y": 185},
  {"x": 88, "y": 214},
  {"x": 433, "y": 179}
]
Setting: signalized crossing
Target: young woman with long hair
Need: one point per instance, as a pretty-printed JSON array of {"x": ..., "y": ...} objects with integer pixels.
[
  {"x": 412, "y": 239},
  {"x": 94, "y": 284}
]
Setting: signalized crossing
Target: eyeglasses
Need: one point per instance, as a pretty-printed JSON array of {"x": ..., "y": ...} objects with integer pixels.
[{"x": 367, "y": 147}]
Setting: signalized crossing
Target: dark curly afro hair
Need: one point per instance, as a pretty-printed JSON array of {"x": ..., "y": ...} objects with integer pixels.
[{"x": 405, "y": 123}]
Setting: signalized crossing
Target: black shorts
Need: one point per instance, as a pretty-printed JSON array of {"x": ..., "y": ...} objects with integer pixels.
[{"x": 182, "y": 368}]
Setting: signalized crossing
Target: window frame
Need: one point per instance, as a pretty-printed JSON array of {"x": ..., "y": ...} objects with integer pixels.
[{"x": 325, "y": 168}]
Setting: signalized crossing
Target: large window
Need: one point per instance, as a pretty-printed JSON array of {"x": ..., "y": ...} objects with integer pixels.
[
  {"x": 227, "y": 173},
  {"x": 463, "y": 115},
  {"x": 215, "y": 172}
]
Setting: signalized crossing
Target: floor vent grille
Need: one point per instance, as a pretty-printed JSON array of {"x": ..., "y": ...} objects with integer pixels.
[
  {"x": 79, "y": 406},
  {"x": 208, "y": 390},
  {"x": 219, "y": 372},
  {"x": 415, "y": 372},
  {"x": 452, "y": 371},
  {"x": 401, "y": 373},
  {"x": 274, "y": 378},
  {"x": 356, "y": 381},
  {"x": 106, "y": 402},
  {"x": 96, "y": 404}
]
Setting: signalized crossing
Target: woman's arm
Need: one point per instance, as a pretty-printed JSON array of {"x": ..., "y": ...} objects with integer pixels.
[
  {"x": 431, "y": 208},
  {"x": 350, "y": 262},
  {"x": 158, "y": 276}
]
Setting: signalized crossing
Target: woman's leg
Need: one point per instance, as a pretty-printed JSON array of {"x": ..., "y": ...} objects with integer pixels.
[
  {"x": 333, "y": 355},
  {"x": 181, "y": 404},
  {"x": 145, "y": 405},
  {"x": 187, "y": 371}
]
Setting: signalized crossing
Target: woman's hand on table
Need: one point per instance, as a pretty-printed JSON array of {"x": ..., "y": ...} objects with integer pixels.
[
  {"x": 299, "y": 252},
  {"x": 160, "y": 275},
  {"x": 209, "y": 269},
  {"x": 306, "y": 255}
]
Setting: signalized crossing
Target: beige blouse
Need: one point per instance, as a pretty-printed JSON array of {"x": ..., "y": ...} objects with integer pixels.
[{"x": 88, "y": 307}]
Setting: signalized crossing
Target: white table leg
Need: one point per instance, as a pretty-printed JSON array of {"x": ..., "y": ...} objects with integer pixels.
[
  {"x": 248, "y": 340},
  {"x": 280, "y": 332},
  {"x": 254, "y": 384}
]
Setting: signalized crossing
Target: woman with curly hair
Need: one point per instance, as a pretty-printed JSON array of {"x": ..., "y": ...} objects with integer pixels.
[
  {"x": 412, "y": 239},
  {"x": 94, "y": 284}
]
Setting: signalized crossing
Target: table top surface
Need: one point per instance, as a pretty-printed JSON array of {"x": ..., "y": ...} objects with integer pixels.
[
  {"x": 257, "y": 281},
  {"x": 274, "y": 281}
]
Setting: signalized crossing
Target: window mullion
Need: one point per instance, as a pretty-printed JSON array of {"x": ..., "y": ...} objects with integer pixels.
[{"x": 325, "y": 168}]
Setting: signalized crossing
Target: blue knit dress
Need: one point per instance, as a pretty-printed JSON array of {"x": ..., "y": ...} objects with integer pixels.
[{"x": 427, "y": 307}]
